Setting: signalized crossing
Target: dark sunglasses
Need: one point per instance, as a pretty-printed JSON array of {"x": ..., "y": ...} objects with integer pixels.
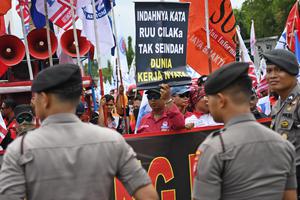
[
  {"x": 186, "y": 94},
  {"x": 154, "y": 96},
  {"x": 25, "y": 117}
]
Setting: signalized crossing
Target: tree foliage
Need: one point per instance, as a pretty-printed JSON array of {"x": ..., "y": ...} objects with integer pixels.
[
  {"x": 129, "y": 51},
  {"x": 269, "y": 16}
]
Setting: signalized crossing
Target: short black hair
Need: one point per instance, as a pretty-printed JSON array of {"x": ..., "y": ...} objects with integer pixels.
[
  {"x": 10, "y": 103},
  {"x": 109, "y": 97},
  {"x": 240, "y": 90},
  {"x": 67, "y": 96},
  {"x": 138, "y": 97}
]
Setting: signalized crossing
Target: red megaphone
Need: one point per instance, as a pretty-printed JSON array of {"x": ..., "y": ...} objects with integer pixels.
[
  {"x": 12, "y": 50},
  {"x": 68, "y": 43},
  {"x": 38, "y": 45}
]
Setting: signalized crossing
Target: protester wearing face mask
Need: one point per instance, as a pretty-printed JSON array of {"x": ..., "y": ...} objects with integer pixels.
[{"x": 24, "y": 118}]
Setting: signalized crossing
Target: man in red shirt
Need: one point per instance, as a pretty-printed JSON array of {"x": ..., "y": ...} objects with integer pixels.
[
  {"x": 165, "y": 115},
  {"x": 7, "y": 111}
]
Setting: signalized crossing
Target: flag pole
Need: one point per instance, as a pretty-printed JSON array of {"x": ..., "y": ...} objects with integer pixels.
[
  {"x": 48, "y": 33},
  {"x": 208, "y": 36},
  {"x": 99, "y": 60},
  {"x": 75, "y": 36},
  {"x": 26, "y": 42},
  {"x": 119, "y": 63}
]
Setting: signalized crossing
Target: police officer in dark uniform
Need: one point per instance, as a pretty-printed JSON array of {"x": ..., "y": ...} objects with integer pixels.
[
  {"x": 244, "y": 160},
  {"x": 282, "y": 71},
  {"x": 65, "y": 158}
]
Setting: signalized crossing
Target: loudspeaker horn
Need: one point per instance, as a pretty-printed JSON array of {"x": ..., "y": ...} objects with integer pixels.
[
  {"x": 12, "y": 50},
  {"x": 38, "y": 45},
  {"x": 68, "y": 43}
]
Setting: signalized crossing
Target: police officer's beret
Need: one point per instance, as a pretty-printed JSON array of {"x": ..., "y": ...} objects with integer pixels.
[
  {"x": 224, "y": 76},
  {"x": 21, "y": 109},
  {"x": 283, "y": 59},
  {"x": 59, "y": 78},
  {"x": 154, "y": 90}
]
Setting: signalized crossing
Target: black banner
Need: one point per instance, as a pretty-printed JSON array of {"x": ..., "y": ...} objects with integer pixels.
[
  {"x": 169, "y": 160},
  {"x": 161, "y": 40}
]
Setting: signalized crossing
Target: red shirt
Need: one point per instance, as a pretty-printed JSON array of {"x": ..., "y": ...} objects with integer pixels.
[{"x": 171, "y": 119}]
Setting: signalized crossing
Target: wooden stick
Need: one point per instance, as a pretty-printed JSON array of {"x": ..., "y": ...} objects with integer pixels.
[
  {"x": 48, "y": 33},
  {"x": 119, "y": 63},
  {"x": 99, "y": 61},
  {"x": 208, "y": 36},
  {"x": 26, "y": 42},
  {"x": 75, "y": 36}
]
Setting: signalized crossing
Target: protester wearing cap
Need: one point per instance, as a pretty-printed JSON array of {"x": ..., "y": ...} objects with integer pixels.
[
  {"x": 181, "y": 96},
  {"x": 65, "y": 158},
  {"x": 200, "y": 116},
  {"x": 282, "y": 71},
  {"x": 165, "y": 116},
  {"x": 244, "y": 160},
  {"x": 24, "y": 118}
]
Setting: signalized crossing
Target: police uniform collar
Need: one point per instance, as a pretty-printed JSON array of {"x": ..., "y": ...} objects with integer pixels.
[
  {"x": 60, "y": 118},
  {"x": 295, "y": 92},
  {"x": 240, "y": 119}
]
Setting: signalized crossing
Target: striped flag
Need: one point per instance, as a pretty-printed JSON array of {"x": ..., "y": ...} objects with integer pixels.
[
  {"x": 26, "y": 13},
  {"x": 3, "y": 130},
  {"x": 59, "y": 12}
]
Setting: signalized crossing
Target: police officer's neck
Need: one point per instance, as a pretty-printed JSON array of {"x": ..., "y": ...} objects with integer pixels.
[
  {"x": 286, "y": 92},
  {"x": 60, "y": 108},
  {"x": 234, "y": 112}
]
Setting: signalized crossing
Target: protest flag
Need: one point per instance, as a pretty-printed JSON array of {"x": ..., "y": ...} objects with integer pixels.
[
  {"x": 252, "y": 39},
  {"x": 104, "y": 29},
  {"x": 292, "y": 24},
  {"x": 59, "y": 12},
  {"x": 26, "y": 14},
  {"x": 38, "y": 18},
  {"x": 246, "y": 58},
  {"x": 297, "y": 46},
  {"x": 222, "y": 32},
  {"x": 5, "y": 6},
  {"x": 3, "y": 130}
]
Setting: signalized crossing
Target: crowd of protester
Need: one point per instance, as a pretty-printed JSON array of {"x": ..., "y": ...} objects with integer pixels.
[{"x": 173, "y": 108}]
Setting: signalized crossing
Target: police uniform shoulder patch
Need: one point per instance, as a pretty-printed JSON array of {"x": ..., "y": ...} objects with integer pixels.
[{"x": 197, "y": 155}]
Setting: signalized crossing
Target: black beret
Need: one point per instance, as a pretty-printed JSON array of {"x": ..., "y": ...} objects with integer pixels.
[
  {"x": 283, "y": 59},
  {"x": 21, "y": 109},
  {"x": 224, "y": 76},
  {"x": 59, "y": 78},
  {"x": 154, "y": 90}
]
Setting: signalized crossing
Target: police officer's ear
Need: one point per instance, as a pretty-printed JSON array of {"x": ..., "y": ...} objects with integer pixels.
[
  {"x": 45, "y": 99},
  {"x": 222, "y": 100}
]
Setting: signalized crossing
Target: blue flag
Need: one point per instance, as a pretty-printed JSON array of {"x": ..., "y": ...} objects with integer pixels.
[
  {"x": 38, "y": 18},
  {"x": 297, "y": 46}
]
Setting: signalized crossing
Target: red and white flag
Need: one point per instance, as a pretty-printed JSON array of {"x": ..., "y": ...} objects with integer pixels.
[
  {"x": 26, "y": 13},
  {"x": 3, "y": 130},
  {"x": 59, "y": 12},
  {"x": 246, "y": 58},
  {"x": 292, "y": 24}
]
